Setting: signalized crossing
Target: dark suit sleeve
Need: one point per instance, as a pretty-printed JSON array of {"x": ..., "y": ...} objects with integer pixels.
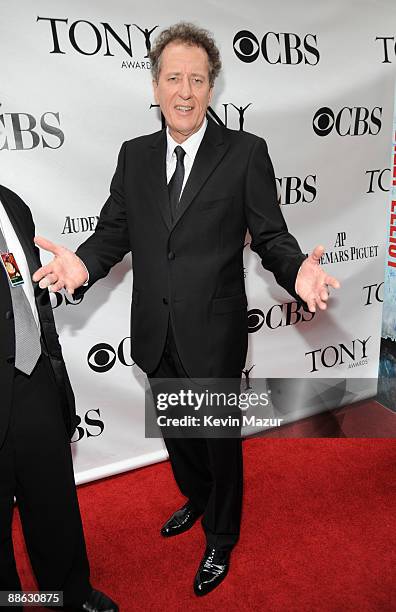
[
  {"x": 110, "y": 241},
  {"x": 23, "y": 208},
  {"x": 278, "y": 249},
  {"x": 31, "y": 229}
]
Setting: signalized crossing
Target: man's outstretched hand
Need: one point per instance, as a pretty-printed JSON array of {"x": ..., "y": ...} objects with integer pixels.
[
  {"x": 66, "y": 270},
  {"x": 312, "y": 281}
]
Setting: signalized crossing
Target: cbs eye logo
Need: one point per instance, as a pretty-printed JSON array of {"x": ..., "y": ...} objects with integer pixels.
[
  {"x": 102, "y": 357},
  {"x": 246, "y": 46},
  {"x": 349, "y": 121},
  {"x": 255, "y": 320},
  {"x": 323, "y": 121}
]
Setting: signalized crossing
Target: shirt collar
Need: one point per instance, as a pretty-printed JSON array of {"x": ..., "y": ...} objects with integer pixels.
[{"x": 190, "y": 145}]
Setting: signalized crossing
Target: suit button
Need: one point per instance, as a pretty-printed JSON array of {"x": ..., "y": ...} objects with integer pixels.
[
  {"x": 9, "y": 315},
  {"x": 10, "y": 359},
  {"x": 171, "y": 255},
  {"x": 165, "y": 301}
]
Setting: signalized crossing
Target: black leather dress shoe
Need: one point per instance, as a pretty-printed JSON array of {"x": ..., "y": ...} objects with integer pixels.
[
  {"x": 212, "y": 570},
  {"x": 180, "y": 521},
  {"x": 99, "y": 602}
]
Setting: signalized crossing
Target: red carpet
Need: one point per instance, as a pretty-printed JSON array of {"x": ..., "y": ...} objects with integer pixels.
[{"x": 318, "y": 533}]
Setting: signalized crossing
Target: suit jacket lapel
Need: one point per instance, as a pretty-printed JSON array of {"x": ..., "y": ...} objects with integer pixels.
[
  {"x": 42, "y": 296},
  {"x": 211, "y": 151},
  {"x": 20, "y": 230},
  {"x": 157, "y": 164}
]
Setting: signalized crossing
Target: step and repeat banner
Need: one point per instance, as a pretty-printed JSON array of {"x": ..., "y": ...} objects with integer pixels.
[
  {"x": 315, "y": 79},
  {"x": 387, "y": 365}
]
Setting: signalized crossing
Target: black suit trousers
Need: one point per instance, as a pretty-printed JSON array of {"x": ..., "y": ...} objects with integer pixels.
[
  {"x": 208, "y": 471},
  {"x": 36, "y": 468}
]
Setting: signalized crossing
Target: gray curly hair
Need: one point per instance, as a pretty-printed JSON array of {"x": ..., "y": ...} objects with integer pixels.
[{"x": 191, "y": 35}]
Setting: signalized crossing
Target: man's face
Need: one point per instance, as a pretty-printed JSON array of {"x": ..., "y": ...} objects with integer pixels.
[{"x": 183, "y": 91}]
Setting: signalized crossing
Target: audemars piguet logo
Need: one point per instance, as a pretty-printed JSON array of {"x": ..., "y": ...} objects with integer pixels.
[
  {"x": 344, "y": 252},
  {"x": 77, "y": 225}
]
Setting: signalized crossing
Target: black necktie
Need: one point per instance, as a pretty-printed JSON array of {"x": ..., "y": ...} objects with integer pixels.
[{"x": 176, "y": 182}]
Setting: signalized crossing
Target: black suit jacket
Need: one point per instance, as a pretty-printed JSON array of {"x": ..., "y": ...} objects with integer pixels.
[
  {"x": 22, "y": 222},
  {"x": 193, "y": 269}
]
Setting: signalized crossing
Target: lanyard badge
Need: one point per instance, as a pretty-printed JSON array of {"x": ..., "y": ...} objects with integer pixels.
[{"x": 12, "y": 269}]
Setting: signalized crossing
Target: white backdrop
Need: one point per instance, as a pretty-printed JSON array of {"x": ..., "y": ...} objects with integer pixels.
[{"x": 317, "y": 81}]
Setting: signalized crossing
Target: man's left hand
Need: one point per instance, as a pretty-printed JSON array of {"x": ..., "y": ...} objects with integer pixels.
[{"x": 312, "y": 282}]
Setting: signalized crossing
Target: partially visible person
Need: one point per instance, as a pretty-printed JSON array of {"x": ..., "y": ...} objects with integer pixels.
[{"x": 37, "y": 419}]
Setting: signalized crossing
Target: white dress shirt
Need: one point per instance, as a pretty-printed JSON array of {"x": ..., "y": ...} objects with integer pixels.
[
  {"x": 190, "y": 145},
  {"x": 15, "y": 247}
]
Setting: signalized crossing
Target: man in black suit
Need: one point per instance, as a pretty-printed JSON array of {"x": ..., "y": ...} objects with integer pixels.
[
  {"x": 182, "y": 199},
  {"x": 37, "y": 419}
]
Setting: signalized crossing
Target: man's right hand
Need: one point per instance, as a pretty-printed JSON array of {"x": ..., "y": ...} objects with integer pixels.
[{"x": 66, "y": 270}]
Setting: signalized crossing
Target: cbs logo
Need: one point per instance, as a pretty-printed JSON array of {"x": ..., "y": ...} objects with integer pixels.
[
  {"x": 92, "y": 427},
  {"x": 102, "y": 357},
  {"x": 279, "y": 315},
  {"x": 57, "y": 298},
  {"x": 276, "y": 48},
  {"x": 24, "y": 131},
  {"x": 349, "y": 121}
]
